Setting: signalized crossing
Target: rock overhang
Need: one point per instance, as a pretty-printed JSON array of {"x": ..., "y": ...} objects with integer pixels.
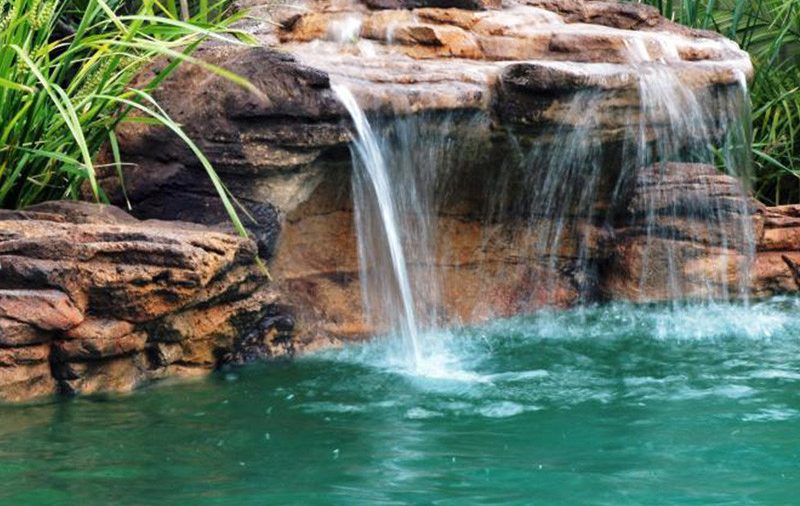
[{"x": 408, "y": 57}]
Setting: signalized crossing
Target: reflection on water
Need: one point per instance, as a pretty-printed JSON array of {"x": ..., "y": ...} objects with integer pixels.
[{"x": 606, "y": 405}]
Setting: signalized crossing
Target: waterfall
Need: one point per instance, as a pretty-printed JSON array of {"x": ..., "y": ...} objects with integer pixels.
[
  {"x": 641, "y": 196},
  {"x": 709, "y": 127},
  {"x": 372, "y": 176}
]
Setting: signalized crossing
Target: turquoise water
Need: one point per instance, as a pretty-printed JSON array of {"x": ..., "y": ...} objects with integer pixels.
[{"x": 611, "y": 405}]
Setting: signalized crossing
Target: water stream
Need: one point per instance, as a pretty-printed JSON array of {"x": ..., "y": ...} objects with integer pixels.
[{"x": 371, "y": 177}]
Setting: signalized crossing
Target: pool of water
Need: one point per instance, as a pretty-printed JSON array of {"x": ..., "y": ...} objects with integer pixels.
[{"x": 611, "y": 405}]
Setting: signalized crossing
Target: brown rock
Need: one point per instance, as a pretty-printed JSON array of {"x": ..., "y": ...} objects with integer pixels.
[
  {"x": 25, "y": 373},
  {"x": 132, "y": 271},
  {"x": 222, "y": 321},
  {"x": 780, "y": 239},
  {"x": 164, "y": 354},
  {"x": 99, "y": 328},
  {"x": 685, "y": 234},
  {"x": 134, "y": 280},
  {"x": 23, "y": 382},
  {"x": 778, "y": 257},
  {"x": 119, "y": 374},
  {"x": 771, "y": 275},
  {"x": 77, "y": 350},
  {"x": 44, "y": 309},
  {"x": 16, "y": 333},
  {"x": 23, "y": 356}
]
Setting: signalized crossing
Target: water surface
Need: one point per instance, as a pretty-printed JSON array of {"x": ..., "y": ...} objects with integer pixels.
[{"x": 611, "y": 405}]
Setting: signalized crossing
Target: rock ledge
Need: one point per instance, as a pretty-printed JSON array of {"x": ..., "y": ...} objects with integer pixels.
[{"x": 92, "y": 299}]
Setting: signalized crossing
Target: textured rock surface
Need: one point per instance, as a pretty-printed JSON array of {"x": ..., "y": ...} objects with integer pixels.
[
  {"x": 777, "y": 265},
  {"x": 684, "y": 233},
  {"x": 93, "y": 300}
]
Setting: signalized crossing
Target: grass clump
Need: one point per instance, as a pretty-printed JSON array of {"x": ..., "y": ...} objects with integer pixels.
[{"x": 67, "y": 74}]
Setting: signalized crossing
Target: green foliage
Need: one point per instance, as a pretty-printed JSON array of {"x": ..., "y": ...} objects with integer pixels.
[
  {"x": 198, "y": 10},
  {"x": 68, "y": 73},
  {"x": 770, "y": 31}
]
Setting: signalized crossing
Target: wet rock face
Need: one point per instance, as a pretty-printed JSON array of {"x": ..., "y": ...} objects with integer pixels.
[
  {"x": 94, "y": 300},
  {"x": 686, "y": 231}
]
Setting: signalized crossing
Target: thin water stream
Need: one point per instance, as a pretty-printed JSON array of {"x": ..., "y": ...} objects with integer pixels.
[{"x": 371, "y": 169}]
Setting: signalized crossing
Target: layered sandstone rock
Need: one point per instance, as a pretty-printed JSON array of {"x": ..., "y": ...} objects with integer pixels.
[
  {"x": 777, "y": 265},
  {"x": 687, "y": 231},
  {"x": 94, "y": 300}
]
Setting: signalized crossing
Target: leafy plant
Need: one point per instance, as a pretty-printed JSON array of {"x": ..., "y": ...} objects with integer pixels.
[
  {"x": 196, "y": 10},
  {"x": 770, "y": 31},
  {"x": 67, "y": 74}
]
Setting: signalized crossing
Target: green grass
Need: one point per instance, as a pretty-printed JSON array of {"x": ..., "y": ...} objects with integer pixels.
[
  {"x": 68, "y": 71},
  {"x": 770, "y": 31}
]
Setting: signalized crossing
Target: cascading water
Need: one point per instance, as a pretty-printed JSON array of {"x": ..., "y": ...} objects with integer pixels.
[
  {"x": 371, "y": 176},
  {"x": 631, "y": 175},
  {"x": 401, "y": 172},
  {"x": 645, "y": 188},
  {"x": 708, "y": 127}
]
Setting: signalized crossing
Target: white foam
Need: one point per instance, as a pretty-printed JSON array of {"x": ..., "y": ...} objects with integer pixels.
[
  {"x": 417, "y": 413},
  {"x": 501, "y": 409}
]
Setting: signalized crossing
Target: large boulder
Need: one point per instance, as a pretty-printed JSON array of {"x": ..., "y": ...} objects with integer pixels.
[
  {"x": 687, "y": 231},
  {"x": 92, "y": 299}
]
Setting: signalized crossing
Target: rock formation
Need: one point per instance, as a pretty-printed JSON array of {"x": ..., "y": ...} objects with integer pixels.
[
  {"x": 518, "y": 64},
  {"x": 92, "y": 299}
]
